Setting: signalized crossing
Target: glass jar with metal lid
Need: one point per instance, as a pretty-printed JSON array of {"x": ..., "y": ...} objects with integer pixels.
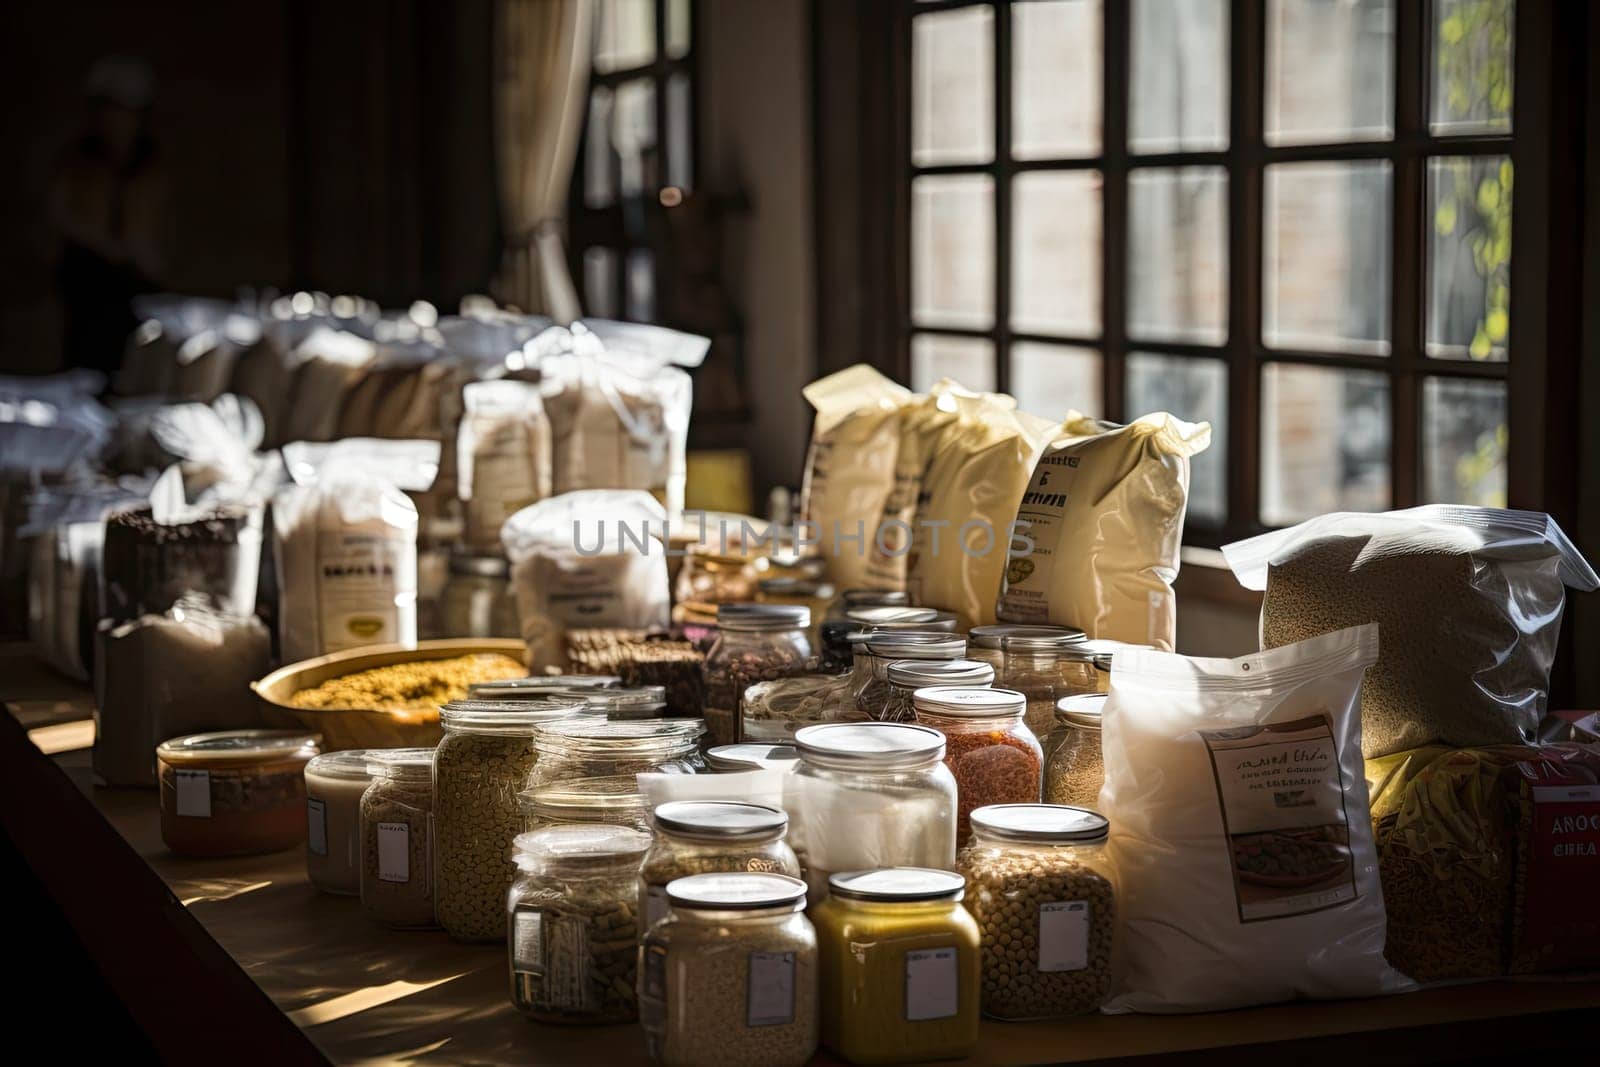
[
  {"x": 705, "y": 836},
  {"x": 730, "y": 975},
  {"x": 870, "y": 678},
  {"x": 989, "y": 749},
  {"x": 889, "y": 618},
  {"x": 614, "y": 800},
  {"x": 900, "y": 966},
  {"x": 775, "y": 711},
  {"x": 1043, "y": 891},
  {"x": 236, "y": 793},
  {"x": 906, "y": 676},
  {"x": 397, "y": 838},
  {"x": 839, "y": 636},
  {"x": 851, "y": 599},
  {"x": 538, "y": 687},
  {"x": 480, "y": 766},
  {"x": 335, "y": 782},
  {"x": 477, "y": 598},
  {"x": 986, "y": 642},
  {"x": 588, "y": 746},
  {"x": 755, "y": 643},
  {"x": 1074, "y": 768},
  {"x": 878, "y": 794},
  {"x": 752, "y": 756},
  {"x": 572, "y": 921},
  {"x": 1045, "y": 664}
]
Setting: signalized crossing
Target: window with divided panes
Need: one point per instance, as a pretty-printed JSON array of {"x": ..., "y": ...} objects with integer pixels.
[{"x": 1291, "y": 218}]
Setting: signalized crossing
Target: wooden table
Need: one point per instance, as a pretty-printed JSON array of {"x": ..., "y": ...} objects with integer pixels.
[{"x": 361, "y": 993}]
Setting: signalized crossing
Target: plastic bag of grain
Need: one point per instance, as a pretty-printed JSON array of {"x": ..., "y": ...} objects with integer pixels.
[
  {"x": 978, "y": 467},
  {"x": 1103, "y": 517},
  {"x": 1246, "y": 872},
  {"x": 1469, "y": 599},
  {"x": 850, "y": 469},
  {"x": 583, "y": 560},
  {"x": 503, "y": 457}
]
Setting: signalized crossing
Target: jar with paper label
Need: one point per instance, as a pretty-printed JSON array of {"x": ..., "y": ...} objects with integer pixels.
[
  {"x": 588, "y": 746},
  {"x": 614, "y": 800},
  {"x": 573, "y": 923},
  {"x": 871, "y": 674},
  {"x": 876, "y": 794},
  {"x": 1043, "y": 891},
  {"x": 477, "y": 598},
  {"x": 1045, "y": 664},
  {"x": 900, "y": 966},
  {"x": 989, "y": 749},
  {"x": 707, "y": 836},
  {"x": 334, "y": 785},
  {"x": 1074, "y": 768},
  {"x": 397, "y": 839},
  {"x": 480, "y": 766},
  {"x": 906, "y": 676},
  {"x": 238, "y": 793},
  {"x": 729, "y": 977},
  {"x": 755, "y": 643}
]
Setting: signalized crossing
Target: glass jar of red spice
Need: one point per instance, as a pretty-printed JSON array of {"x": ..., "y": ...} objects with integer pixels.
[{"x": 992, "y": 754}]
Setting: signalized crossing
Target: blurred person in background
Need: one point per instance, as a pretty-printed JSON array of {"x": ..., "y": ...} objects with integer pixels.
[{"x": 107, "y": 205}]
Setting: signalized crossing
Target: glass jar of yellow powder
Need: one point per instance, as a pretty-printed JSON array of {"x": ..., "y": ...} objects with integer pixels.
[{"x": 899, "y": 966}]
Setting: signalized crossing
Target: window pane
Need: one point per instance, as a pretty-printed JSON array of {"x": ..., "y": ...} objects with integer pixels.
[
  {"x": 952, "y": 251},
  {"x": 1473, "y": 44},
  {"x": 624, "y": 35},
  {"x": 678, "y": 28},
  {"x": 633, "y": 132},
  {"x": 1057, "y": 48},
  {"x": 1469, "y": 257},
  {"x": 1055, "y": 252},
  {"x": 599, "y": 159},
  {"x": 969, "y": 360},
  {"x": 1178, "y": 254},
  {"x": 1179, "y": 91},
  {"x": 600, "y": 282},
  {"x": 680, "y": 139},
  {"x": 952, "y": 87},
  {"x": 1197, "y": 390},
  {"x": 1464, "y": 442},
  {"x": 1051, "y": 380},
  {"x": 1327, "y": 256},
  {"x": 1324, "y": 442},
  {"x": 1330, "y": 71}
]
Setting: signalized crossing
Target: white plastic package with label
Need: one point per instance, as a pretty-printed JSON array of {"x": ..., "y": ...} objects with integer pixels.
[{"x": 1240, "y": 832}]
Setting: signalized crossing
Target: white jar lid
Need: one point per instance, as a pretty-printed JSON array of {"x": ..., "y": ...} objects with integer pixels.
[
  {"x": 1041, "y": 823},
  {"x": 870, "y": 745},
  {"x": 1084, "y": 710},
  {"x": 749, "y": 756},
  {"x": 736, "y": 891},
  {"x": 969, "y": 702},
  {"x": 902, "y": 884},
  {"x": 921, "y": 673},
  {"x": 724, "y": 820}
]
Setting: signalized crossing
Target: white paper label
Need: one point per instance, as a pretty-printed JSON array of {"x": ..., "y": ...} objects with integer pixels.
[
  {"x": 194, "y": 793},
  {"x": 316, "y": 826},
  {"x": 770, "y": 1000},
  {"x": 933, "y": 985},
  {"x": 655, "y": 905},
  {"x": 366, "y": 589},
  {"x": 394, "y": 852},
  {"x": 527, "y": 942},
  {"x": 1064, "y": 935}
]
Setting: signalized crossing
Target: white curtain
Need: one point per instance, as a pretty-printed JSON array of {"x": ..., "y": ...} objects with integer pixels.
[{"x": 542, "y": 76}]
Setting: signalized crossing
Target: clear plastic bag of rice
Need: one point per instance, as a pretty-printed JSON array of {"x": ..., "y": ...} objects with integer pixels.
[{"x": 1468, "y": 599}]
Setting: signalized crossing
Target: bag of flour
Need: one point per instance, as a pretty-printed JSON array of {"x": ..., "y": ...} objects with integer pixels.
[
  {"x": 1103, "y": 522},
  {"x": 345, "y": 545},
  {"x": 583, "y": 560},
  {"x": 1246, "y": 871},
  {"x": 503, "y": 457},
  {"x": 978, "y": 467},
  {"x": 1470, "y": 602},
  {"x": 850, "y": 470}
]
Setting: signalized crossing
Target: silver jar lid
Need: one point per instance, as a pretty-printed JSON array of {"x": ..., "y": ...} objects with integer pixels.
[
  {"x": 870, "y": 746},
  {"x": 763, "y": 617},
  {"x": 736, "y": 891},
  {"x": 968, "y": 703},
  {"x": 889, "y": 615},
  {"x": 750, "y": 756},
  {"x": 1068, "y": 645},
  {"x": 917, "y": 646},
  {"x": 720, "y": 820},
  {"x": 898, "y": 884},
  {"x": 876, "y": 598},
  {"x": 1083, "y": 711},
  {"x": 505, "y": 714},
  {"x": 538, "y": 686},
  {"x": 1041, "y": 824},
  {"x": 993, "y": 635},
  {"x": 622, "y": 702},
  {"x": 921, "y": 673}
]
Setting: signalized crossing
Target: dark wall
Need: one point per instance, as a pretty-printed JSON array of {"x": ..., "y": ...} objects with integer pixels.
[{"x": 341, "y": 146}]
